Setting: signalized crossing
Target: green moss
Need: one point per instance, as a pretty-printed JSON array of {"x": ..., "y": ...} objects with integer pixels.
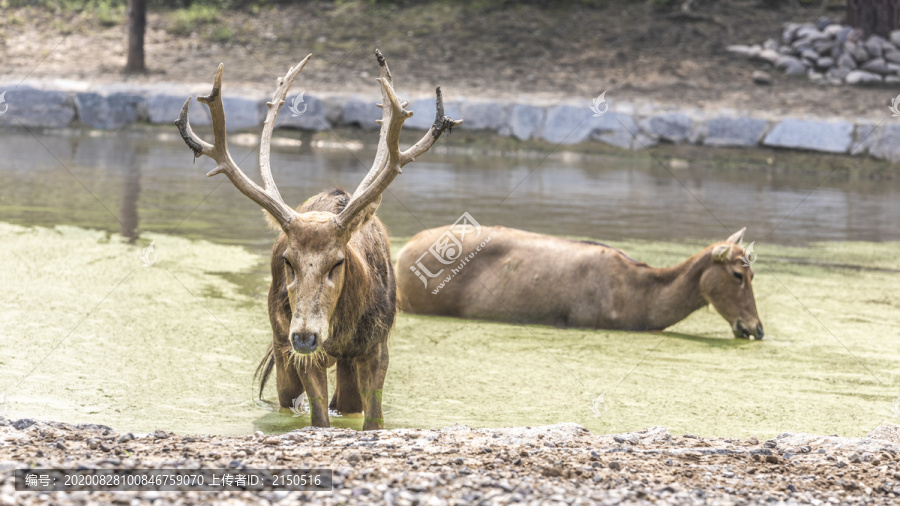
[{"x": 173, "y": 346}]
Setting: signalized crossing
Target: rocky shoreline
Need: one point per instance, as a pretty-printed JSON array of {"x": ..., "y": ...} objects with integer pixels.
[
  {"x": 556, "y": 464},
  {"x": 628, "y": 126}
]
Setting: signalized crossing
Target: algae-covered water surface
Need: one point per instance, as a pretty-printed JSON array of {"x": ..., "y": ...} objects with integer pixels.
[{"x": 96, "y": 328}]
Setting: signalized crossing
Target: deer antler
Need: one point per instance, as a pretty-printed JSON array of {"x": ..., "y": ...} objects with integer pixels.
[
  {"x": 268, "y": 196},
  {"x": 389, "y": 160}
]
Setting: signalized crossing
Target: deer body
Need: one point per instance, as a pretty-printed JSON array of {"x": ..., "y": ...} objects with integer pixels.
[
  {"x": 333, "y": 294},
  {"x": 525, "y": 277}
]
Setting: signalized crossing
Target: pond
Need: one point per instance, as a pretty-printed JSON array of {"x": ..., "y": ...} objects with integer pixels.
[{"x": 88, "y": 333}]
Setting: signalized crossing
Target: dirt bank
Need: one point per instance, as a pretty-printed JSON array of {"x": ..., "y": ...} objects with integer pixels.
[
  {"x": 457, "y": 465},
  {"x": 636, "y": 51}
]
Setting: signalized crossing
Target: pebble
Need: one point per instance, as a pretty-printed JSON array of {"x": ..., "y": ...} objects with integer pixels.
[{"x": 761, "y": 77}]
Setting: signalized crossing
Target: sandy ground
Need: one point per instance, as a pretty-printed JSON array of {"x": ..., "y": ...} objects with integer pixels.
[
  {"x": 557, "y": 464},
  {"x": 634, "y": 51}
]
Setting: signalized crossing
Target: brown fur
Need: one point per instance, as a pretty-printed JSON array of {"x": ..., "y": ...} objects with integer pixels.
[
  {"x": 359, "y": 320},
  {"x": 525, "y": 277}
]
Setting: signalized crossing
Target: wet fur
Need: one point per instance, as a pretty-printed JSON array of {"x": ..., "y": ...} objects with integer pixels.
[{"x": 364, "y": 315}]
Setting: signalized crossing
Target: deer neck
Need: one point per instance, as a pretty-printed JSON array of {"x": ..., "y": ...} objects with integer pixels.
[{"x": 675, "y": 292}]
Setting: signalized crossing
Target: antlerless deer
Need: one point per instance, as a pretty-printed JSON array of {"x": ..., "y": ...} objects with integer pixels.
[{"x": 333, "y": 293}]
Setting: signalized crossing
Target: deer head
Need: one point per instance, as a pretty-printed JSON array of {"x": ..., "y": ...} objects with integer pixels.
[
  {"x": 728, "y": 285},
  {"x": 318, "y": 260}
]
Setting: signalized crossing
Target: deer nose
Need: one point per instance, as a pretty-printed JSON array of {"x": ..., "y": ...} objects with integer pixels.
[
  {"x": 304, "y": 343},
  {"x": 759, "y": 331}
]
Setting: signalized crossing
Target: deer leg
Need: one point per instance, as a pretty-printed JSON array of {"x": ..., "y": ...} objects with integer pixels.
[
  {"x": 347, "y": 399},
  {"x": 287, "y": 381},
  {"x": 313, "y": 376},
  {"x": 370, "y": 372}
]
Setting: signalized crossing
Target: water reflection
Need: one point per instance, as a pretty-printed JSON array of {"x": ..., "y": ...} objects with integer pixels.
[{"x": 157, "y": 186}]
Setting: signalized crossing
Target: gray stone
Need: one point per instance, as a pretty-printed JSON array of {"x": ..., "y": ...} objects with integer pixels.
[
  {"x": 761, "y": 77},
  {"x": 810, "y": 54},
  {"x": 525, "y": 121},
  {"x": 424, "y": 111},
  {"x": 857, "y": 50},
  {"x": 862, "y": 77},
  {"x": 838, "y": 73},
  {"x": 484, "y": 115},
  {"x": 833, "y": 29},
  {"x": 28, "y": 107},
  {"x": 810, "y": 32},
  {"x": 675, "y": 127},
  {"x": 843, "y": 34},
  {"x": 824, "y": 62},
  {"x": 892, "y": 56},
  {"x": 109, "y": 111},
  {"x": 876, "y": 65},
  {"x": 823, "y": 22},
  {"x": 814, "y": 135},
  {"x": 874, "y": 45},
  {"x": 773, "y": 44},
  {"x": 864, "y": 139},
  {"x": 748, "y": 51},
  {"x": 824, "y": 46},
  {"x": 845, "y": 61},
  {"x": 790, "y": 31},
  {"x": 895, "y": 38},
  {"x": 243, "y": 113},
  {"x": 164, "y": 109},
  {"x": 568, "y": 124},
  {"x": 790, "y": 65},
  {"x": 768, "y": 55},
  {"x": 620, "y": 130},
  {"x": 365, "y": 112},
  {"x": 734, "y": 131},
  {"x": 304, "y": 112},
  {"x": 892, "y": 79},
  {"x": 885, "y": 142}
]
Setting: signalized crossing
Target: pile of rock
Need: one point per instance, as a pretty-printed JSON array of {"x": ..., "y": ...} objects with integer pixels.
[{"x": 830, "y": 53}]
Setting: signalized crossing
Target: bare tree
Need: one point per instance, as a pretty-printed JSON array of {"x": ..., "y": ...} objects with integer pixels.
[
  {"x": 874, "y": 16},
  {"x": 137, "y": 25}
]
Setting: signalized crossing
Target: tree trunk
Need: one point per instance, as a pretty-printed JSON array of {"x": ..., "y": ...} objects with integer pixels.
[
  {"x": 874, "y": 16},
  {"x": 137, "y": 24}
]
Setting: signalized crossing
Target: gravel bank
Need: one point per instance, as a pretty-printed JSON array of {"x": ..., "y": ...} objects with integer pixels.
[{"x": 558, "y": 464}]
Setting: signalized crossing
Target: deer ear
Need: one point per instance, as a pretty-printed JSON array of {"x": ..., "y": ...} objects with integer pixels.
[
  {"x": 721, "y": 253},
  {"x": 737, "y": 237}
]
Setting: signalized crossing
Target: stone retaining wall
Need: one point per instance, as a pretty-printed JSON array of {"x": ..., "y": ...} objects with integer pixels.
[{"x": 624, "y": 125}]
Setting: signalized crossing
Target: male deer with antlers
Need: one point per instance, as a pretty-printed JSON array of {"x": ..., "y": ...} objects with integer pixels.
[{"x": 333, "y": 293}]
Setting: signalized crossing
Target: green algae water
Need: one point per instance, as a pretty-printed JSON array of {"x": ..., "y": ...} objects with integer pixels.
[{"x": 95, "y": 328}]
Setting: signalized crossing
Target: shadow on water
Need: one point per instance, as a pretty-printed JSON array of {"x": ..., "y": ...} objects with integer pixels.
[{"x": 712, "y": 342}]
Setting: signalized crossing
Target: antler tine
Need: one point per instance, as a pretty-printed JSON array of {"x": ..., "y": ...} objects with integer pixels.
[
  {"x": 441, "y": 123},
  {"x": 268, "y": 198},
  {"x": 389, "y": 160},
  {"x": 265, "y": 145},
  {"x": 381, "y": 152}
]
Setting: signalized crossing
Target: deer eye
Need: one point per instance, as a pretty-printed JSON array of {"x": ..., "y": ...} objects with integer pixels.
[
  {"x": 288, "y": 269},
  {"x": 333, "y": 269},
  {"x": 739, "y": 276}
]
